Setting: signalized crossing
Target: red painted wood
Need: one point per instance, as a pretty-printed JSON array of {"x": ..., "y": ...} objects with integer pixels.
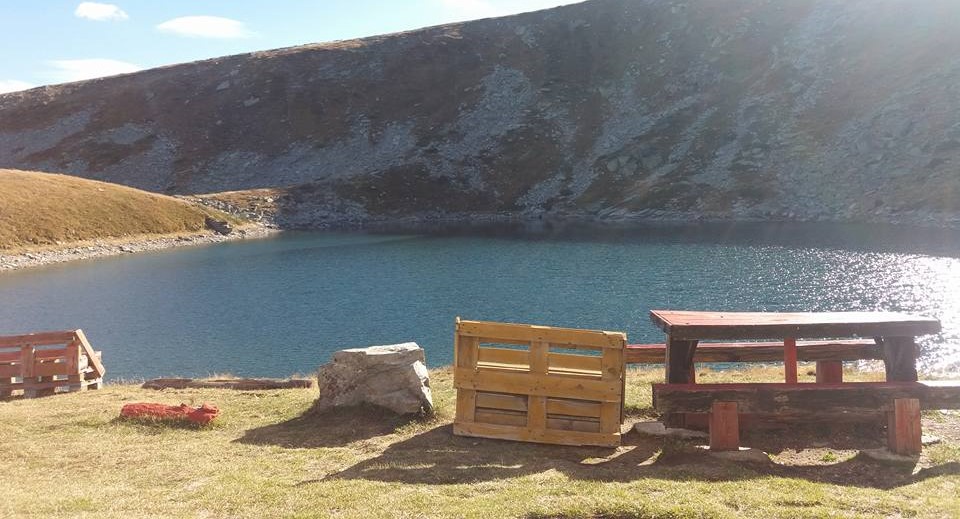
[
  {"x": 767, "y": 325},
  {"x": 829, "y": 372},
  {"x": 724, "y": 427},
  {"x": 757, "y": 351},
  {"x": 904, "y": 429},
  {"x": 790, "y": 360}
]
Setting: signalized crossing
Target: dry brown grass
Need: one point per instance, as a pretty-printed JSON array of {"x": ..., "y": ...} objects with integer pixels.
[
  {"x": 270, "y": 456},
  {"x": 43, "y": 209}
]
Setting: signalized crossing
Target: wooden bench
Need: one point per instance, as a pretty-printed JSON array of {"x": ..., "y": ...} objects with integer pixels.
[
  {"x": 42, "y": 363},
  {"x": 901, "y": 401},
  {"x": 534, "y": 383},
  {"x": 829, "y": 354}
]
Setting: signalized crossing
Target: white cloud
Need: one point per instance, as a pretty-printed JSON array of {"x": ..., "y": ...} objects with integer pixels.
[
  {"x": 100, "y": 12},
  {"x": 13, "y": 85},
  {"x": 79, "y": 69},
  {"x": 206, "y": 27}
]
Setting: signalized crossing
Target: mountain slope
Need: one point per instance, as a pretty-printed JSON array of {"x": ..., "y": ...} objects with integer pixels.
[
  {"x": 38, "y": 209},
  {"x": 839, "y": 109}
]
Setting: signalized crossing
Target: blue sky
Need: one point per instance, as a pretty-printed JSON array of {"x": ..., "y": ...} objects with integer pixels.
[{"x": 56, "y": 41}]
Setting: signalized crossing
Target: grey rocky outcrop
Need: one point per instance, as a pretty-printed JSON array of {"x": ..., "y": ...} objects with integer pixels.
[{"x": 394, "y": 377}]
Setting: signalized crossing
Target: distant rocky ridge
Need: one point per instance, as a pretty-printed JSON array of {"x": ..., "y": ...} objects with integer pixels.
[{"x": 744, "y": 109}]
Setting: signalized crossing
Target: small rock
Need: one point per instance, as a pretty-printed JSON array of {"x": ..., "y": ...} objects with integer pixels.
[
  {"x": 885, "y": 455},
  {"x": 394, "y": 377},
  {"x": 659, "y": 430},
  {"x": 928, "y": 439},
  {"x": 223, "y": 85},
  {"x": 218, "y": 226},
  {"x": 745, "y": 454}
]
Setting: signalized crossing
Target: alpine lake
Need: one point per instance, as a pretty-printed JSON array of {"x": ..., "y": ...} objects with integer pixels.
[{"x": 283, "y": 305}]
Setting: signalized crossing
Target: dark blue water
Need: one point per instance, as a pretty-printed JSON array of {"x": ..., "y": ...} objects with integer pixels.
[{"x": 281, "y": 306}]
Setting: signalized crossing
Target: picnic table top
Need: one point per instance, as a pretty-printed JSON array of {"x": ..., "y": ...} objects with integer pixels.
[{"x": 695, "y": 325}]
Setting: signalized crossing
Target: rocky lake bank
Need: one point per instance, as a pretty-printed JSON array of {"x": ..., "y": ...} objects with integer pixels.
[{"x": 102, "y": 248}]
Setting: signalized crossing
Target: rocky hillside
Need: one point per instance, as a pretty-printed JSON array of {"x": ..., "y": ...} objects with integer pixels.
[{"x": 807, "y": 109}]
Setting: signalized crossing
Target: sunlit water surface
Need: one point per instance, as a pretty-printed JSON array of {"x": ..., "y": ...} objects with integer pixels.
[{"x": 281, "y": 306}]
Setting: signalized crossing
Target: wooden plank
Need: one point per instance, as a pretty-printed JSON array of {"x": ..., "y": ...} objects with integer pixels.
[
  {"x": 49, "y": 369},
  {"x": 466, "y": 405},
  {"x": 764, "y": 325},
  {"x": 900, "y": 358},
  {"x": 558, "y": 423},
  {"x": 37, "y": 339},
  {"x": 538, "y": 385},
  {"x": 239, "y": 384},
  {"x": 829, "y": 372},
  {"x": 904, "y": 429},
  {"x": 555, "y": 406},
  {"x": 93, "y": 357},
  {"x": 507, "y": 432},
  {"x": 9, "y": 370},
  {"x": 501, "y": 401},
  {"x": 533, "y": 333},
  {"x": 610, "y": 417},
  {"x": 790, "y": 360},
  {"x": 724, "y": 427},
  {"x": 537, "y": 404},
  {"x": 568, "y": 372},
  {"x": 767, "y": 351},
  {"x": 73, "y": 355},
  {"x": 583, "y": 408},
  {"x": 500, "y": 417},
  {"x": 26, "y": 362},
  {"x": 849, "y": 397}
]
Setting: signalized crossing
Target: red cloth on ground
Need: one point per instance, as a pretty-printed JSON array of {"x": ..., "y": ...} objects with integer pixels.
[{"x": 201, "y": 415}]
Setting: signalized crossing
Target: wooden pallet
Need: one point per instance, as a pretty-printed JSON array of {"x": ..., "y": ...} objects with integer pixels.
[
  {"x": 41, "y": 364},
  {"x": 513, "y": 383}
]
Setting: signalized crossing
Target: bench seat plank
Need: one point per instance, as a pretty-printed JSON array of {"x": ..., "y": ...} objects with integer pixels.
[
  {"x": 839, "y": 350},
  {"x": 775, "y": 398}
]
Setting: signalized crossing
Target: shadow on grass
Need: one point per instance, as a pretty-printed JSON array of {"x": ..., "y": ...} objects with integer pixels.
[
  {"x": 438, "y": 457},
  {"x": 331, "y": 429}
]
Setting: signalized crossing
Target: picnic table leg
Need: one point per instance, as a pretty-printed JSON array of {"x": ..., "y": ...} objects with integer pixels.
[
  {"x": 829, "y": 372},
  {"x": 679, "y": 370},
  {"x": 903, "y": 430},
  {"x": 900, "y": 358},
  {"x": 790, "y": 360},
  {"x": 724, "y": 427}
]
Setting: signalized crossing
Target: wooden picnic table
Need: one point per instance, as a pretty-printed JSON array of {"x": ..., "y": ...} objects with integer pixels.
[
  {"x": 902, "y": 397},
  {"x": 894, "y": 332}
]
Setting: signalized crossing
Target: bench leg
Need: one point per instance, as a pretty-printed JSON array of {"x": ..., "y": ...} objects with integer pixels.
[
  {"x": 829, "y": 372},
  {"x": 724, "y": 427},
  {"x": 790, "y": 360},
  {"x": 903, "y": 427}
]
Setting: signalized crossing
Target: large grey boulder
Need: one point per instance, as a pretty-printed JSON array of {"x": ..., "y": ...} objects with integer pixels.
[{"x": 394, "y": 377}]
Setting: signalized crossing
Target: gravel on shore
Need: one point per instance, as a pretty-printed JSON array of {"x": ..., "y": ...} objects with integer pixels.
[{"x": 102, "y": 248}]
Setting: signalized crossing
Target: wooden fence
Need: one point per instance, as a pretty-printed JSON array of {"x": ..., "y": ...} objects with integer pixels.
[
  {"x": 42, "y": 363},
  {"x": 541, "y": 387}
]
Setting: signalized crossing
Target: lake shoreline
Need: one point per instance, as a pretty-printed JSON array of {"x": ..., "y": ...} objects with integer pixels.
[{"x": 76, "y": 251}]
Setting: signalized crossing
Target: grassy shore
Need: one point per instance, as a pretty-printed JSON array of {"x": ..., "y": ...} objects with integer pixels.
[
  {"x": 269, "y": 456},
  {"x": 43, "y": 210}
]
